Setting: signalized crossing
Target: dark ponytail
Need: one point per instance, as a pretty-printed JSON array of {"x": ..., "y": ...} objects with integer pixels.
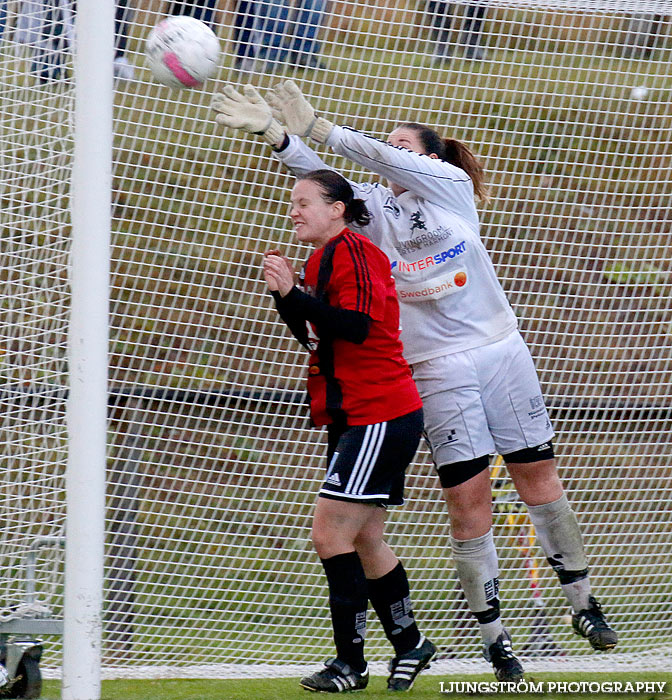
[
  {"x": 335, "y": 188},
  {"x": 357, "y": 212},
  {"x": 454, "y": 152}
]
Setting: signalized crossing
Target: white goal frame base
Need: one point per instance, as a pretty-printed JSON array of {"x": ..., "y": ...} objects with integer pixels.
[{"x": 598, "y": 663}]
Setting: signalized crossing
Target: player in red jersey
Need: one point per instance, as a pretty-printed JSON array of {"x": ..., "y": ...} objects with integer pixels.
[{"x": 360, "y": 387}]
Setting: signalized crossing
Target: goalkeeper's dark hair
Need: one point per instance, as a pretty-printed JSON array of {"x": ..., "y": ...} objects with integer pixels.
[
  {"x": 335, "y": 188},
  {"x": 454, "y": 152}
]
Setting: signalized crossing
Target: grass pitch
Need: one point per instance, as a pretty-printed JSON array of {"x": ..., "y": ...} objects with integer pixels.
[{"x": 426, "y": 687}]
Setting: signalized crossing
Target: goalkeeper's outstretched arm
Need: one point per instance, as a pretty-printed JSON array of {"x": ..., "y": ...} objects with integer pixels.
[
  {"x": 249, "y": 112},
  {"x": 425, "y": 174}
]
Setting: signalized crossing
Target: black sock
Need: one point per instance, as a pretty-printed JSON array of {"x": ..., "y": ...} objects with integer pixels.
[
  {"x": 348, "y": 602},
  {"x": 391, "y": 599}
]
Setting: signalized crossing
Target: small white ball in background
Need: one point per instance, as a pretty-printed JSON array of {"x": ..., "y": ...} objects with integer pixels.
[
  {"x": 182, "y": 52},
  {"x": 639, "y": 93}
]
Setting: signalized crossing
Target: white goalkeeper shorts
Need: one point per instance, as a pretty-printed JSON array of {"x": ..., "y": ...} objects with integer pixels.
[{"x": 482, "y": 401}]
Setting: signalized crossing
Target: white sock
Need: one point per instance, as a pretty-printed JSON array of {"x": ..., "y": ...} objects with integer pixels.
[
  {"x": 490, "y": 631},
  {"x": 559, "y": 535},
  {"x": 478, "y": 571},
  {"x": 578, "y": 594}
]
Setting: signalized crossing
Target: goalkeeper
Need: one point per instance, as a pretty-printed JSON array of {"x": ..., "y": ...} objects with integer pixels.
[
  {"x": 347, "y": 315},
  {"x": 473, "y": 370}
]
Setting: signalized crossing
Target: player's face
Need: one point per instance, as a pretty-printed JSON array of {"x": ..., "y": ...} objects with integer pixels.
[
  {"x": 404, "y": 138},
  {"x": 315, "y": 220}
]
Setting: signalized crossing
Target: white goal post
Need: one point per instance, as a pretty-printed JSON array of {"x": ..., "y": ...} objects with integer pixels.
[
  {"x": 212, "y": 469},
  {"x": 88, "y": 340}
]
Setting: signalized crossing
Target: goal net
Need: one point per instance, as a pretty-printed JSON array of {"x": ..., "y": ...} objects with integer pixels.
[{"x": 213, "y": 469}]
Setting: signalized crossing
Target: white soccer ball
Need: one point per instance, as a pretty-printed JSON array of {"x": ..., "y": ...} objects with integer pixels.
[{"x": 182, "y": 52}]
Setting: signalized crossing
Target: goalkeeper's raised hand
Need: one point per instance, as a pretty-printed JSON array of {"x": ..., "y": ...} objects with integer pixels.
[
  {"x": 247, "y": 111},
  {"x": 293, "y": 109}
]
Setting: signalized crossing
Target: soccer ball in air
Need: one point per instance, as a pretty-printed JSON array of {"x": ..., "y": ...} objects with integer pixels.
[{"x": 182, "y": 52}]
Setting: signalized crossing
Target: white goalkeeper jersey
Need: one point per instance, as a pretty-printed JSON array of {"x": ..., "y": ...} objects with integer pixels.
[{"x": 449, "y": 295}]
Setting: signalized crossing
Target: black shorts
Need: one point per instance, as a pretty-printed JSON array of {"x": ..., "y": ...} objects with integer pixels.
[{"x": 366, "y": 463}]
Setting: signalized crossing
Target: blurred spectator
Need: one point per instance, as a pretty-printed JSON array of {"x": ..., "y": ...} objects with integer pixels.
[
  {"x": 441, "y": 15},
  {"x": 205, "y": 10},
  {"x": 123, "y": 70},
  {"x": 3, "y": 16},
  {"x": 271, "y": 32},
  {"x": 47, "y": 27},
  {"x": 643, "y": 30}
]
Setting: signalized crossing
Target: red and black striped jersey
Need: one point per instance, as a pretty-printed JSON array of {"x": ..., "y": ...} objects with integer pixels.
[{"x": 361, "y": 382}]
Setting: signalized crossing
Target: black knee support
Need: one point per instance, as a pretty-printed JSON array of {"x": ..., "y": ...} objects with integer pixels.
[
  {"x": 458, "y": 472},
  {"x": 531, "y": 454}
]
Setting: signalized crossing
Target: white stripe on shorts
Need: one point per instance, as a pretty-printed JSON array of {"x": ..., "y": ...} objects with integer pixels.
[
  {"x": 366, "y": 459},
  {"x": 363, "y": 457},
  {"x": 368, "y": 496},
  {"x": 363, "y": 482}
]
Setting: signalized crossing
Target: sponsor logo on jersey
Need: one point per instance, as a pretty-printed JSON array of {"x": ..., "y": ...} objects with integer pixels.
[
  {"x": 417, "y": 222},
  {"x": 452, "y": 282},
  {"x": 423, "y": 240},
  {"x": 431, "y": 260},
  {"x": 392, "y": 206}
]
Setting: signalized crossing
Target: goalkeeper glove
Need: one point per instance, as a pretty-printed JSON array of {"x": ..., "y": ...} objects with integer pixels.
[
  {"x": 293, "y": 109},
  {"x": 247, "y": 111}
]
